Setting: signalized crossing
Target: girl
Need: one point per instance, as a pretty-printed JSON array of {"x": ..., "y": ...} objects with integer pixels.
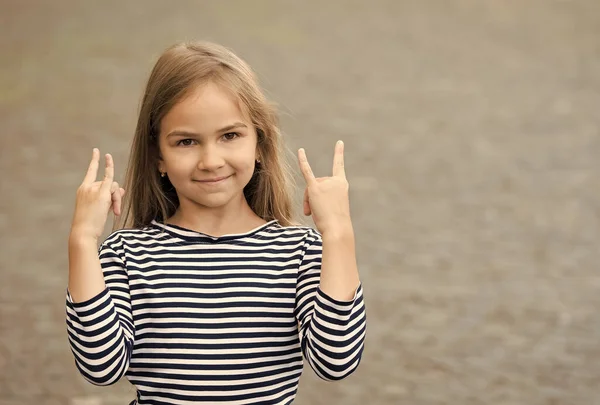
[{"x": 209, "y": 293}]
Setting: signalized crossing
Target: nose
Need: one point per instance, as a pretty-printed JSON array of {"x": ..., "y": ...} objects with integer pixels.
[{"x": 210, "y": 159}]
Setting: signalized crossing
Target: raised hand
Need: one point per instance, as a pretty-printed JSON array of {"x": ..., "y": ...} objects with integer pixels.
[
  {"x": 326, "y": 198},
  {"x": 95, "y": 199}
]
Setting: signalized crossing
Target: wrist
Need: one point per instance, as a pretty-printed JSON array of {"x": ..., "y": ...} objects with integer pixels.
[
  {"x": 338, "y": 231},
  {"x": 79, "y": 237}
]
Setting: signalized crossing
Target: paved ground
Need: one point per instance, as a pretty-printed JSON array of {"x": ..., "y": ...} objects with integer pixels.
[{"x": 473, "y": 135}]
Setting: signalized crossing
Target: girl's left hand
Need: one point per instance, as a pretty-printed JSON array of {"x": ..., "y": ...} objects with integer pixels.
[{"x": 326, "y": 198}]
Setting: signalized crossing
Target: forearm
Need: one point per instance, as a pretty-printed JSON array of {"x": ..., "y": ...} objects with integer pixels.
[
  {"x": 339, "y": 271},
  {"x": 100, "y": 325},
  {"x": 99, "y": 339},
  {"x": 86, "y": 279}
]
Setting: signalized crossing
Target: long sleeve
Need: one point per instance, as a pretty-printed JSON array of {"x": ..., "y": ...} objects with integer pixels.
[
  {"x": 332, "y": 332},
  {"x": 101, "y": 330}
]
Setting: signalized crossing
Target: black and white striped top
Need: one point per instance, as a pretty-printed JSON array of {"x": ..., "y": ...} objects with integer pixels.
[{"x": 191, "y": 318}]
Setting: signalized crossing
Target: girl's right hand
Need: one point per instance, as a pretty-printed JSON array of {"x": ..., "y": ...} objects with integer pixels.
[{"x": 95, "y": 199}]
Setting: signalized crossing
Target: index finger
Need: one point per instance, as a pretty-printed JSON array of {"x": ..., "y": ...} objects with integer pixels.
[
  {"x": 307, "y": 172},
  {"x": 92, "y": 170},
  {"x": 338, "y": 160}
]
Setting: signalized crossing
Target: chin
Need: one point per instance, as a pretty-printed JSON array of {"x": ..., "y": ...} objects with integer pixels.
[{"x": 214, "y": 200}]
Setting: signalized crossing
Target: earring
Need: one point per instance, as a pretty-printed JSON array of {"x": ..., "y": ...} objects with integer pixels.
[
  {"x": 257, "y": 160},
  {"x": 163, "y": 174}
]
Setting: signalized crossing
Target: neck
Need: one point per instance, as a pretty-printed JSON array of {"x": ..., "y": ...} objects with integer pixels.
[{"x": 235, "y": 217}]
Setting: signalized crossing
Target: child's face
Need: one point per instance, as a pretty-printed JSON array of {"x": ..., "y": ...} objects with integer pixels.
[{"x": 208, "y": 148}]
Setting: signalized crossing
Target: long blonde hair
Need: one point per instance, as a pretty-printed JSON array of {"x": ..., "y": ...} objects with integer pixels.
[{"x": 178, "y": 70}]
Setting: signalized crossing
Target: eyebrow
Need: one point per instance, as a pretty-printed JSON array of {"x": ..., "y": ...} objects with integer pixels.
[{"x": 224, "y": 129}]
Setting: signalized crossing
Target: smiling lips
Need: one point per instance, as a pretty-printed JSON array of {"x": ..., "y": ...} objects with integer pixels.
[{"x": 214, "y": 180}]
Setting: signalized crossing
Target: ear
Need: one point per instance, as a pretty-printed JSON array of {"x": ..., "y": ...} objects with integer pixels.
[
  {"x": 257, "y": 155},
  {"x": 159, "y": 159},
  {"x": 259, "y": 139}
]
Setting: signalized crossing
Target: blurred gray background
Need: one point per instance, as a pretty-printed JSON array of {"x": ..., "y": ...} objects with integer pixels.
[{"x": 472, "y": 133}]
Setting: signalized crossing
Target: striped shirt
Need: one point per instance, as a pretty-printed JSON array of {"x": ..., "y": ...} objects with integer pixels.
[{"x": 190, "y": 318}]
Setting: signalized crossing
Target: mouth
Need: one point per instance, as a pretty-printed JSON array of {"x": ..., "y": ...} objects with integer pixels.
[{"x": 214, "y": 180}]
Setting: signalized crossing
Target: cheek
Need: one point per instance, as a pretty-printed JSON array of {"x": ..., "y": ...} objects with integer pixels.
[
  {"x": 243, "y": 160},
  {"x": 176, "y": 161},
  {"x": 250, "y": 165}
]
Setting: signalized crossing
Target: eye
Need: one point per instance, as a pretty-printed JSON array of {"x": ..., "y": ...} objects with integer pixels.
[
  {"x": 185, "y": 142},
  {"x": 230, "y": 136}
]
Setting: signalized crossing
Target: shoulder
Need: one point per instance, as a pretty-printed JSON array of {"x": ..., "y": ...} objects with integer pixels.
[
  {"x": 133, "y": 236},
  {"x": 292, "y": 232},
  {"x": 296, "y": 238}
]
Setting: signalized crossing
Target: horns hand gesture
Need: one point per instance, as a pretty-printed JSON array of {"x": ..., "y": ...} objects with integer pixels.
[{"x": 326, "y": 198}]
